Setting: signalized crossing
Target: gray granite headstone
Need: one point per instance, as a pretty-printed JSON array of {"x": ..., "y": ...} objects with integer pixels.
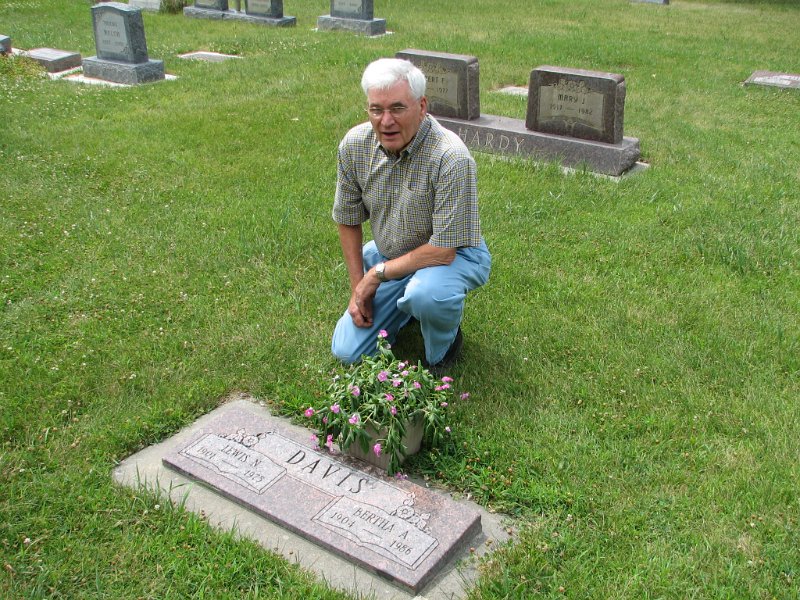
[
  {"x": 55, "y": 61},
  {"x": 770, "y": 78},
  {"x": 651, "y": 1},
  {"x": 121, "y": 46},
  {"x": 588, "y": 105},
  {"x": 212, "y": 4},
  {"x": 395, "y": 528},
  {"x": 352, "y": 15},
  {"x": 259, "y": 12},
  {"x": 353, "y": 9},
  {"x": 452, "y": 82},
  {"x": 151, "y": 5},
  {"x": 5, "y": 44}
]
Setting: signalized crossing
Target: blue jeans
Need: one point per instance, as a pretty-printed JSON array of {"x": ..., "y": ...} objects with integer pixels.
[{"x": 433, "y": 295}]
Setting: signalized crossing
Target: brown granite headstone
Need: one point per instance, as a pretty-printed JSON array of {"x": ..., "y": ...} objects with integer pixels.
[
  {"x": 576, "y": 103},
  {"x": 392, "y": 527}
]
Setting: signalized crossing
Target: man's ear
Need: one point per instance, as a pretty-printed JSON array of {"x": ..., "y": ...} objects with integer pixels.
[{"x": 424, "y": 104}]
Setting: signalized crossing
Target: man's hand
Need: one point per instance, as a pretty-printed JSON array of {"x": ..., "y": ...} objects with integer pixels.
[{"x": 360, "y": 307}]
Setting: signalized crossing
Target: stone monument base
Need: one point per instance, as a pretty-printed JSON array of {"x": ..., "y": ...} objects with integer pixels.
[
  {"x": 121, "y": 72},
  {"x": 232, "y": 15},
  {"x": 55, "y": 61},
  {"x": 502, "y": 135},
  {"x": 362, "y": 26}
]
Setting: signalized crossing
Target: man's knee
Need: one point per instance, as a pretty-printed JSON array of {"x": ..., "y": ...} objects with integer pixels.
[{"x": 425, "y": 298}]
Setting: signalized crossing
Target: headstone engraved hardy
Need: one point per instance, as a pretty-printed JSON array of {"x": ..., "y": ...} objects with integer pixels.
[
  {"x": 394, "y": 528},
  {"x": 589, "y": 105},
  {"x": 121, "y": 46},
  {"x": 5, "y": 44},
  {"x": 352, "y": 15},
  {"x": 54, "y": 60},
  {"x": 452, "y": 82},
  {"x": 574, "y": 117}
]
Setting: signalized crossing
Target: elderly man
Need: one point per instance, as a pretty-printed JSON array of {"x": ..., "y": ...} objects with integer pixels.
[{"x": 415, "y": 181}]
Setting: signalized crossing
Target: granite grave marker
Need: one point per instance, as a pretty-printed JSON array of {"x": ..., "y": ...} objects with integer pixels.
[
  {"x": 589, "y": 105},
  {"x": 394, "y": 528},
  {"x": 55, "y": 61},
  {"x": 259, "y": 12},
  {"x": 121, "y": 46},
  {"x": 574, "y": 117},
  {"x": 352, "y": 15},
  {"x": 770, "y": 78},
  {"x": 452, "y": 82}
]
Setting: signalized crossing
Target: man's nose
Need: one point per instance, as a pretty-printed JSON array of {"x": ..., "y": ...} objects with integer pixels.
[{"x": 387, "y": 118}]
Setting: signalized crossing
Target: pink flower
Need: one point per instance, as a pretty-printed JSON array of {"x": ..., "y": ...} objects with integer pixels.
[
  {"x": 393, "y": 410},
  {"x": 383, "y": 333},
  {"x": 396, "y": 383},
  {"x": 377, "y": 449},
  {"x": 329, "y": 441},
  {"x": 438, "y": 388},
  {"x": 383, "y": 376},
  {"x": 400, "y": 476},
  {"x": 325, "y": 420},
  {"x": 447, "y": 429},
  {"x": 401, "y": 365},
  {"x": 335, "y": 409},
  {"x": 309, "y": 412},
  {"x": 447, "y": 379},
  {"x": 354, "y": 419},
  {"x": 389, "y": 397},
  {"x": 404, "y": 373},
  {"x": 315, "y": 441},
  {"x": 465, "y": 395},
  {"x": 355, "y": 390},
  {"x": 417, "y": 384},
  {"x": 443, "y": 404}
]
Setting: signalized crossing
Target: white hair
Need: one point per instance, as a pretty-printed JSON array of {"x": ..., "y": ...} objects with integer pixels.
[{"x": 385, "y": 72}]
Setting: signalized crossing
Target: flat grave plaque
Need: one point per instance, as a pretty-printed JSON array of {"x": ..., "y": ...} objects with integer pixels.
[
  {"x": 392, "y": 527},
  {"x": 769, "y": 78},
  {"x": 55, "y": 61}
]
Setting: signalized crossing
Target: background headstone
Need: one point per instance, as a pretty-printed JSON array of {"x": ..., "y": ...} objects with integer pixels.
[
  {"x": 5, "y": 44},
  {"x": 353, "y": 9},
  {"x": 651, "y": 1},
  {"x": 264, "y": 8},
  {"x": 588, "y": 105},
  {"x": 55, "y": 61},
  {"x": 151, "y": 5},
  {"x": 352, "y": 15},
  {"x": 770, "y": 78},
  {"x": 452, "y": 82},
  {"x": 121, "y": 46},
  {"x": 212, "y": 4}
]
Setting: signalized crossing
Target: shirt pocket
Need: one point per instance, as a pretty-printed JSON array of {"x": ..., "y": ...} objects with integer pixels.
[{"x": 416, "y": 210}]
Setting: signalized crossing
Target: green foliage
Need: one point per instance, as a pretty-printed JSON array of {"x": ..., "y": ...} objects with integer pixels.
[
  {"x": 374, "y": 402},
  {"x": 13, "y": 68},
  {"x": 173, "y": 6}
]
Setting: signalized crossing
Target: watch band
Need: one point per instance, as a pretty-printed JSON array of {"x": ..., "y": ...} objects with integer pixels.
[{"x": 380, "y": 271}]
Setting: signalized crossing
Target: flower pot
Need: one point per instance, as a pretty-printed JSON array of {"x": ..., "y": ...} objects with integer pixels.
[{"x": 412, "y": 441}]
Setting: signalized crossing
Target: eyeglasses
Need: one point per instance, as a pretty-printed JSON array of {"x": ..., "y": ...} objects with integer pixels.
[{"x": 396, "y": 111}]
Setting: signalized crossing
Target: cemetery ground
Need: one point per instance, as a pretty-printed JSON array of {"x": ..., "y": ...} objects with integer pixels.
[{"x": 633, "y": 364}]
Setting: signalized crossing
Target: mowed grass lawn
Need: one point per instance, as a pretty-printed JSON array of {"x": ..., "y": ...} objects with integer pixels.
[{"x": 633, "y": 365}]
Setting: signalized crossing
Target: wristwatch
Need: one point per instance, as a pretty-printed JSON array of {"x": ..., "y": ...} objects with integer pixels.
[{"x": 380, "y": 271}]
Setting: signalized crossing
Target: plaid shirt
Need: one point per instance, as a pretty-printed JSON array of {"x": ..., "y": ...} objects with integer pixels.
[{"x": 427, "y": 194}]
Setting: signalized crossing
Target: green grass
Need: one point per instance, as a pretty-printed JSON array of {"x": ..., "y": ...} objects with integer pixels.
[{"x": 633, "y": 363}]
